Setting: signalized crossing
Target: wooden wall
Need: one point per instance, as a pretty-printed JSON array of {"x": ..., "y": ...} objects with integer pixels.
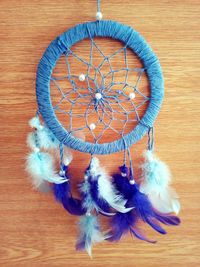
[{"x": 36, "y": 231}]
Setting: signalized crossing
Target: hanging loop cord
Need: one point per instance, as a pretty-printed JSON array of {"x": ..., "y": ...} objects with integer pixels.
[{"x": 99, "y": 15}]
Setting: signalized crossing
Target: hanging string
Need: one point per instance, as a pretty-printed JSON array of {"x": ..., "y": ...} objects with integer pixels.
[
  {"x": 125, "y": 150},
  {"x": 99, "y": 15},
  {"x": 98, "y": 6},
  {"x": 132, "y": 180},
  {"x": 61, "y": 147},
  {"x": 37, "y": 113},
  {"x": 150, "y": 145}
]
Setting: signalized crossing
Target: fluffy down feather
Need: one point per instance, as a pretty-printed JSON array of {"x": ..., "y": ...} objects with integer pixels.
[
  {"x": 90, "y": 233},
  {"x": 47, "y": 139},
  {"x": 32, "y": 141},
  {"x": 35, "y": 123},
  {"x": 42, "y": 138},
  {"x": 41, "y": 167},
  {"x": 89, "y": 202},
  {"x": 156, "y": 184}
]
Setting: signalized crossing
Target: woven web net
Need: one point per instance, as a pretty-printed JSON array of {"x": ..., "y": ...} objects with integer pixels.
[{"x": 99, "y": 90}]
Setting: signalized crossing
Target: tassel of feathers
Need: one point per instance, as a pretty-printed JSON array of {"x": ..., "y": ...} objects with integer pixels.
[
  {"x": 123, "y": 223},
  {"x": 99, "y": 195},
  {"x": 41, "y": 165},
  {"x": 143, "y": 210},
  {"x": 156, "y": 184},
  {"x": 98, "y": 191}
]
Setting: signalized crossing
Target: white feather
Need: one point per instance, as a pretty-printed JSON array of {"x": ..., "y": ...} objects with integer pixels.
[
  {"x": 156, "y": 184},
  {"x": 35, "y": 123},
  {"x": 106, "y": 189},
  {"x": 31, "y": 140},
  {"x": 67, "y": 157},
  {"x": 46, "y": 139},
  {"x": 89, "y": 233},
  {"x": 157, "y": 168},
  {"x": 88, "y": 202},
  {"x": 41, "y": 167},
  {"x": 165, "y": 201}
]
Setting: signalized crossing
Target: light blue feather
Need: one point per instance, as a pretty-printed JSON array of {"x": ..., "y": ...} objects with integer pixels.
[
  {"x": 90, "y": 233},
  {"x": 88, "y": 202},
  {"x": 40, "y": 166},
  {"x": 156, "y": 184},
  {"x": 46, "y": 139}
]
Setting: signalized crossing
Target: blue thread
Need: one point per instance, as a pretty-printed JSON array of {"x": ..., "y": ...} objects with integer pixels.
[
  {"x": 150, "y": 145},
  {"x": 98, "y": 6},
  {"x": 133, "y": 40},
  {"x": 61, "y": 148}
]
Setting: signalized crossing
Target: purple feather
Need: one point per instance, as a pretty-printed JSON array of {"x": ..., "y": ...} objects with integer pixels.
[
  {"x": 123, "y": 223},
  {"x": 167, "y": 219},
  {"x": 143, "y": 210},
  {"x": 140, "y": 236},
  {"x": 81, "y": 244},
  {"x": 62, "y": 193},
  {"x": 94, "y": 191}
]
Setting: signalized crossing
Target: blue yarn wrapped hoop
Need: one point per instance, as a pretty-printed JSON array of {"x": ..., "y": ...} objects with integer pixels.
[{"x": 137, "y": 44}]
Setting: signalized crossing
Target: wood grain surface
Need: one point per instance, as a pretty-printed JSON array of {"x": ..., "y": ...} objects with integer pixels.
[{"x": 34, "y": 229}]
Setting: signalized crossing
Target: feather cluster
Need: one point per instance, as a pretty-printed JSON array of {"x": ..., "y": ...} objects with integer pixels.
[
  {"x": 156, "y": 184},
  {"x": 100, "y": 196},
  {"x": 153, "y": 202},
  {"x": 142, "y": 211},
  {"x": 41, "y": 165},
  {"x": 98, "y": 191}
]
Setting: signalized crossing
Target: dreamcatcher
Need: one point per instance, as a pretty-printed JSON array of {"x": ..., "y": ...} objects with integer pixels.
[{"x": 103, "y": 106}]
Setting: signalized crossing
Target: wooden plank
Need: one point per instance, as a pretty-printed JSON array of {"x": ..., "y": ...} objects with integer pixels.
[{"x": 35, "y": 231}]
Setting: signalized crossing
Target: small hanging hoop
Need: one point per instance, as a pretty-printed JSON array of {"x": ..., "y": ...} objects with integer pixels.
[{"x": 61, "y": 44}]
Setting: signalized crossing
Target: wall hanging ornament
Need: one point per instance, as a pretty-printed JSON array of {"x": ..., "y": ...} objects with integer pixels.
[{"x": 102, "y": 106}]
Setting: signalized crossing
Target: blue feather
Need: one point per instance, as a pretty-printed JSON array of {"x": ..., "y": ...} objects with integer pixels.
[
  {"x": 143, "y": 210},
  {"x": 63, "y": 194},
  {"x": 90, "y": 233},
  {"x": 123, "y": 223},
  {"x": 167, "y": 219},
  {"x": 94, "y": 191}
]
